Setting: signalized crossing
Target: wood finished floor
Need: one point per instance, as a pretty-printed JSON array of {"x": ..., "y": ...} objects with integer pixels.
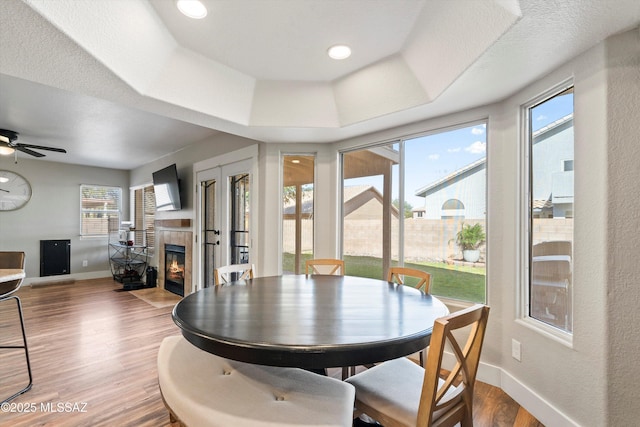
[{"x": 93, "y": 351}]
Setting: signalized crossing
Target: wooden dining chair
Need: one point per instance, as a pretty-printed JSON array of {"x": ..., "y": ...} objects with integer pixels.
[
  {"x": 399, "y": 275},
  {"x": 229, "y": 273},
  {"x": 324, "y": 266},
  {"x": 401, "y": 393},
  {"x": 418, "y": 279},
  {"x": 15, "y": 261},
  {"x": 328, "y": 266}
]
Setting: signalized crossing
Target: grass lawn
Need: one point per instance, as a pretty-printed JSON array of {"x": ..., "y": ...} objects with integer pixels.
[{"x": 463, "y": 283}]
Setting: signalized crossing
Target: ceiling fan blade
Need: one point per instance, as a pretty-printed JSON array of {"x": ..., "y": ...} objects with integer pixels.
[
  {"x": 40, "y": 147},
  {"x": 27, "y": 151}
]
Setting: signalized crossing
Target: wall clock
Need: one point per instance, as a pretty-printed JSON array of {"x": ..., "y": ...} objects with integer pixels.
[{"x": 15, "y": 191}]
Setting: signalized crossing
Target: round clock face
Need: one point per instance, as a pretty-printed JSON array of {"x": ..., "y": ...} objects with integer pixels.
[{"x": 15, "y": 191}]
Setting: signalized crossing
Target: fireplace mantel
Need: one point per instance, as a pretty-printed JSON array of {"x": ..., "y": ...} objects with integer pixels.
[{"x": 173, "y": 223}]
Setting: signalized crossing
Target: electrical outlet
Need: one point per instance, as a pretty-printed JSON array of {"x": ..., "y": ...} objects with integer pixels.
[
  {"x": 85, "y": 263},
  {"x": 515, "y": 350}
]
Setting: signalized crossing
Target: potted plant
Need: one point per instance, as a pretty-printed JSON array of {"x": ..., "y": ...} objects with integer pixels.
[{"x": 469, "y": 238}]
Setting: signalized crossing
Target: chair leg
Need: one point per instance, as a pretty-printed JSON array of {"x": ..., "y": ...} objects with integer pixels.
[{"x": 26, "y": 352}]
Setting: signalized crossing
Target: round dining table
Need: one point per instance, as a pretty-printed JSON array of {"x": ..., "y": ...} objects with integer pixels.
[{"x": 309, "y": 321}]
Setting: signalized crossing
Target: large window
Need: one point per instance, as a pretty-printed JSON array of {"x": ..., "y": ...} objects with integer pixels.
[
  {"x": 297, "y": 211},
  {"x": 98, "y": 204},
  {"x": 405, "y": 203},
  {"x": 550, "y": 143}
]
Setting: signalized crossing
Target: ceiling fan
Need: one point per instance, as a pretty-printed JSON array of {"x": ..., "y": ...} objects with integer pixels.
[{"x": 8, "y": 145}]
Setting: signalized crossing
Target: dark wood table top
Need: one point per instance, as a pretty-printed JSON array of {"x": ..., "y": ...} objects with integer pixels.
[{"x": 311, "y": 322}]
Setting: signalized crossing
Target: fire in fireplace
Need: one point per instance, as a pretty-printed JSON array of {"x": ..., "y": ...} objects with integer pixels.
[{"x": 174, "y": 257}]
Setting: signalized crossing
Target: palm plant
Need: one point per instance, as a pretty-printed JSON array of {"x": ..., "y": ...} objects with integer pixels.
[{"x": 470, "y": 237}]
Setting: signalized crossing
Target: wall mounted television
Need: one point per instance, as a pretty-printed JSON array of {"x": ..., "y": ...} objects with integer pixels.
[{"x": 166, "y": 187}]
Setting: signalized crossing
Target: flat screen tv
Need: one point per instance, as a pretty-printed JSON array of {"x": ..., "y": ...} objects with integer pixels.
[{"x": 166, "y": 187}]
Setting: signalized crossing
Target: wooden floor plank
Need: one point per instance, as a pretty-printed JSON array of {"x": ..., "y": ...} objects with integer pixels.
[{"x": 90, "y": 343}]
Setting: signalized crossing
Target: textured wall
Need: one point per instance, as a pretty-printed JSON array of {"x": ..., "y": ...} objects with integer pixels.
[{"x": 623, "y": 293}]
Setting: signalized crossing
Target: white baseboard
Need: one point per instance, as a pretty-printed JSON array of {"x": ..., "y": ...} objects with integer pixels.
[
  {"x": 540, "y": 408},
  {"x": 66, "y": 277}
]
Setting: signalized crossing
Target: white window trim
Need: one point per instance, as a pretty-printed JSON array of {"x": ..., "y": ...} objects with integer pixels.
[{"x": 522, "y": 291}]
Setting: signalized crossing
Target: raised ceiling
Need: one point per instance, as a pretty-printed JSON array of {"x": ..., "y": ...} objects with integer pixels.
[{"x": 100, "y": 78}]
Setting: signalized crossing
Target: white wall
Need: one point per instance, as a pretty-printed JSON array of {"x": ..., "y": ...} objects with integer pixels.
[
  {"x": 551, "y": 370},
  {"x": 592, "y": 381},
  {"x": 623, "y": 211},
  {"x": 54, "y": 213}
]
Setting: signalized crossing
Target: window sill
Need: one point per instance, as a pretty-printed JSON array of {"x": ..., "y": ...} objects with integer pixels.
[
  {"x": 555, "y": 334},
  {"x": 454, "y": 304},
  {"x": 102, "y": 237}
]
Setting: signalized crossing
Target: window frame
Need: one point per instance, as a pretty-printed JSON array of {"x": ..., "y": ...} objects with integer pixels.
[
  {"x": 83, "y": 210},
  {"x": 523, "y": 316},
  {"x": 401, "y": 140},
  {"x": 145, "y": 189},
  {"x": 283, "y": 155}
]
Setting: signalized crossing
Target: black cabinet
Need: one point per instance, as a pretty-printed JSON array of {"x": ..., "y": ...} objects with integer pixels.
[{"x": 55, "y": 257}]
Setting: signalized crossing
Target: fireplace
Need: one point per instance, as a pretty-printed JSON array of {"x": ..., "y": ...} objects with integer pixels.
[{"x": 174, "y": 261}]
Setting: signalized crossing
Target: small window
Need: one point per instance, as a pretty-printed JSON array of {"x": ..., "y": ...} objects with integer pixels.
[
  {"x": 99, "y": 204},
  {"x": 567, "y": 165},
  {"x": 453, "y": 204},
  {"x": 144, "y": 213}
]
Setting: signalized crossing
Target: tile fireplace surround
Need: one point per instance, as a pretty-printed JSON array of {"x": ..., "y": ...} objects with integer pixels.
[{"x": 175, "y": 233}]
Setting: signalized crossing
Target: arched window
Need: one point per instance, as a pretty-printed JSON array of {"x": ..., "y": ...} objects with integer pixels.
[
  {"x": 452, "y": 208},
  {"x": 452, "y": 204}
]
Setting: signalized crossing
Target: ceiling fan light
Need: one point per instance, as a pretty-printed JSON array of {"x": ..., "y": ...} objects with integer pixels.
[
  {"x": 192, "y": 8},
  {"x": 6, "y": 150}
]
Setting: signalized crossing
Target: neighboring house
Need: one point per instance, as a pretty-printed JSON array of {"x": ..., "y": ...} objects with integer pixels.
[
  {"x": 364, "y": 202},
  {"x": 461, "y": 194},
  {"x": 417, "y": 212},
  {"x": 360, "y": 202},
  {"x": 363, "y": 210}
]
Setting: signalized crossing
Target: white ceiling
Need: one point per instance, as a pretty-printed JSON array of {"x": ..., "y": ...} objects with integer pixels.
[{"x": 120, "y": 83}]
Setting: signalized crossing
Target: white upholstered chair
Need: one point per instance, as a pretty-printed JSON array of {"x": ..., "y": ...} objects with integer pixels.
[
  {"x": 401, "y": 393},
  {"x": 229, "y": 273},
  {"x": 204, "y": 390}
]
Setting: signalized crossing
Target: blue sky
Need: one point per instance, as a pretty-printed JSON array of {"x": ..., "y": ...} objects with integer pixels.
[{"x": 432, "y": 157}]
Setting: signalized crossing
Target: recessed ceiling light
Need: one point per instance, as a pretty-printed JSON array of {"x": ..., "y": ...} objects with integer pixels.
[
  {"x": 339, "y": 51},
  {"x": 192, "y": 8}
]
